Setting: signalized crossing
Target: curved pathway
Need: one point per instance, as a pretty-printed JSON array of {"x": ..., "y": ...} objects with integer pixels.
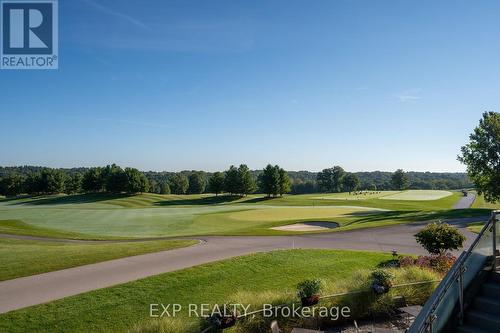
[
  {"x": 465, "y": 202},
  {"x": 31, "y": 290}
]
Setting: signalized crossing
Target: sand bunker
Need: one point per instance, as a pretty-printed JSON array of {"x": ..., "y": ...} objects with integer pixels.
[{"x": 308, "y": 226}]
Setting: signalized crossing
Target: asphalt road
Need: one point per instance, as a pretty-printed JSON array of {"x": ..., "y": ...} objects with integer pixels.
[
  {"x": 26, "y": 291},
  {"x": 465, "y": 202}
]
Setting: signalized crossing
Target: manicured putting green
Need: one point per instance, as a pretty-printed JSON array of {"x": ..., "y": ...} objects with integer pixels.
[
  {"x": 418, "y": 195},
  {"x": 355, "y": 195}
]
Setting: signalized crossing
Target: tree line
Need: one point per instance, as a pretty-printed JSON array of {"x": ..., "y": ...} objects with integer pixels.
[
  {"x": 308, "y": 182},
  {"x": 272, "y": 181},
  {"x": 110, "y": 179}
]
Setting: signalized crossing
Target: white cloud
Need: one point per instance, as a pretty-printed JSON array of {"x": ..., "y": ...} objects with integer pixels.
[
  {"x": 115, "y": 13},
  {"x": 410, "y": 95}
]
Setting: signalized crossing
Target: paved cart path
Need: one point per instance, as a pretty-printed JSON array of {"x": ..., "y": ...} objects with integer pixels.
[
  {"x": 465, "y": 202},
  {"x": 26, "y": 291}
]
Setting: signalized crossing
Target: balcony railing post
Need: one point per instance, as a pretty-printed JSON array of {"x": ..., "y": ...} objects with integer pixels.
[
  {"x": 494, "y": 233},
  {"x": 461, "y": 294}
]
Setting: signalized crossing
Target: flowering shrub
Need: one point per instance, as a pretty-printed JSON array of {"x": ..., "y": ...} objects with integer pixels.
[
  {"x": 406, "y": 261},
  {"x": 439, "y": 263},
  {"x": 424, "y": 262},
  {"x": 443, "y": 263}
]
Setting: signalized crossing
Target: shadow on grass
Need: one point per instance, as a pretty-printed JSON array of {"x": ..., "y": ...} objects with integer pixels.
[
  {"x": 73, "y": 199},
  {"x": 19, "y": 197},
  {"x": 421, "y": 216},
  {"x": 213, "y": 200},
  {"x": 388, "y": 263},
  {"x": 259, "y": 199}
]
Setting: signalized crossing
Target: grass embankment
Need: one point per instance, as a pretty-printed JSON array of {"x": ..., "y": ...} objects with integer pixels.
[
  {"x": 374, "y": 201},
  {"x": 480, "y": 203},
  {"x": 22, "y": 257},
  {"x": 17, "y": 227},
  {"x": 119, "y": 308}
]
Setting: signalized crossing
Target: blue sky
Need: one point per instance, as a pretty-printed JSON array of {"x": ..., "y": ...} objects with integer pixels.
[{"x": 172, "y": 85}]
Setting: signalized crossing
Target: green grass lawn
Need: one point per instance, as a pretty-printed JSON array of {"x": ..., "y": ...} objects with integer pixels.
[
  {"x": 479, "y": 202},
  {"x": 99, "y": 216},
  {"x": 375, "y": 202},
  {"x": 418, "y": 195},
  {"x": 17, "y": 227},
  {"x": 118, "y": 308},
  {"x": 22, "y": 257},
  {"x": 475, "y": 227},
  {"x": 364, "y": 195}
]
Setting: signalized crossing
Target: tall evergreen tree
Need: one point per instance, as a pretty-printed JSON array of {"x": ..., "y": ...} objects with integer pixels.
[
  {"x": 216, "y": 183},
  {"x": 52, "y": 181},
  {"x": 284, "y": 181},
  {"x": 116, "y": 179},
  {"x": 246, "y": 183},
  {"x": 11, "y": 185},
  {"x": 33, "y": 183},
  {"x": 93, "y": 180},
  {"x": 269, "y": 180},
  {"x": 73, "y": 183},
  {"x": 231, "y": 180}
]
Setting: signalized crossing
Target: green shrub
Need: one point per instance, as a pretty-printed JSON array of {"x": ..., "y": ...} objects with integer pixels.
[
  {"x": 308, "y": 288},
  {"x": 383, "y": 277},
  {"x": 437, "y": 238}
]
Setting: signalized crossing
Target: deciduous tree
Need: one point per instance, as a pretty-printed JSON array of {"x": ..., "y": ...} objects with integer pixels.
[
  {"x": 179, "y": 183},
  {"x": 351, "y": 182},
  {"x": 137, "y": 182},
  {"x": 482, "y": 156},
  {"x": 331, "y": 180},
  {"x": 399, "y": 180},
  {"x": 196, "y": 183},
  {"x": 231, "y": 180}
]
